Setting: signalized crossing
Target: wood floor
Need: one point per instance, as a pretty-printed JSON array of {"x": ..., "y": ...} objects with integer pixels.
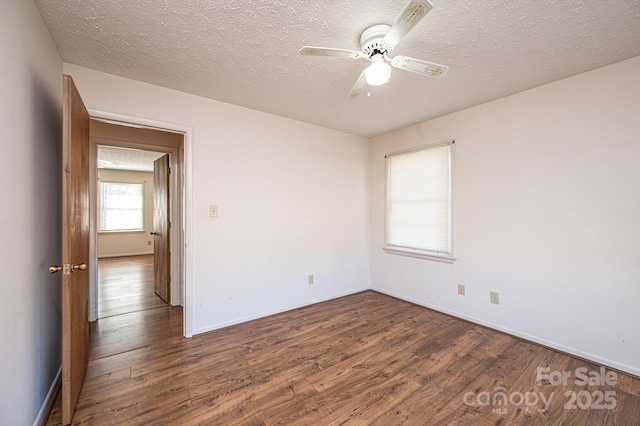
[
  {"x": 125, "y": 284},
  {"x": 365, "y": 359}
]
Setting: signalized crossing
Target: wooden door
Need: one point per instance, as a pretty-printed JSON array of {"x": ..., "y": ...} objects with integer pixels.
[
  {"x": 161, "y": 253},
  {"x": 75, "y": 247}
]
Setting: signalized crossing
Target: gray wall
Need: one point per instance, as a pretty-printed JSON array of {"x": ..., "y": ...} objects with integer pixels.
[{"x": 30, "y": 212}]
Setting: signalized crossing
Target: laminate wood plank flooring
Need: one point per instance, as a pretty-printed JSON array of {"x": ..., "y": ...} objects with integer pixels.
[
  {"x": 125, "y": 284},
  {"x": 364, "y": 359}
]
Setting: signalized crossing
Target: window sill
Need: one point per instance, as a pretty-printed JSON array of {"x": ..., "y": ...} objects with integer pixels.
[{"x": 421, "y": 255}]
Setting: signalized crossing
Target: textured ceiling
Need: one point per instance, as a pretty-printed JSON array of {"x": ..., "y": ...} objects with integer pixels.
[
  {"x": 110, "y": 157},
  {"x": 245, "y": 52}
]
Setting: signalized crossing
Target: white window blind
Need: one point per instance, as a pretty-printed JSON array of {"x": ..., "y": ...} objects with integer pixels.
[
  {"x": 120, "y": 206},
  {"x": 419, "y": 200}
]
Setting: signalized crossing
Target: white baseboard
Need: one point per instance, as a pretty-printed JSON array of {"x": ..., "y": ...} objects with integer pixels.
[
  {"x": 49, "y": 400},
  {"x": 275, "y": 311},
  {"x": 535, "y": 339}
]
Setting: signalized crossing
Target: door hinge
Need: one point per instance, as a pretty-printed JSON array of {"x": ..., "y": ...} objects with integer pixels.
[{"x": 169, "y": 224}]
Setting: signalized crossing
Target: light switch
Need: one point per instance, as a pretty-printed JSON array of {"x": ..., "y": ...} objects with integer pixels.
[{"x": 213, "y": 211}]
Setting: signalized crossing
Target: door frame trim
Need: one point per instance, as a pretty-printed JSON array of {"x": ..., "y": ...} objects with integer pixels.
[{"x": 184, "y": 238}]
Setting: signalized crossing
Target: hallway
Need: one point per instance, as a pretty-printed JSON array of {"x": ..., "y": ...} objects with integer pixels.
[{"x": 125, "y": 284}]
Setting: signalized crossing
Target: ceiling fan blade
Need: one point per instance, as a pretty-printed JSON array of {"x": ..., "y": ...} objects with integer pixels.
[
  {"x": 361, "y": 84},
  {"x": 328, "y": 51},
  {"x": 419, "y": 66},
  {"x": 412, "y": 14}
]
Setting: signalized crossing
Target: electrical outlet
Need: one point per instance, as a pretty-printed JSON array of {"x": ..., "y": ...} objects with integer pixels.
[
  {"x": 495, "y": 297},
  {"x": 461, "y": 289},
  {"x": 149, "y": 242},
  {"x": 213, "y": 211},
  {"x": 310, "y": 279}
]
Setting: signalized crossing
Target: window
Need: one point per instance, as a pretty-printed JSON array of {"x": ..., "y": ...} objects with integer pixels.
[
  {"x": 120, "y": 207},
  {"x": 419, "y": 212}
]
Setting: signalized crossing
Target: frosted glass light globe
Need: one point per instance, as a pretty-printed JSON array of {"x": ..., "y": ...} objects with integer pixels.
[{"x": 377, "y": 73}]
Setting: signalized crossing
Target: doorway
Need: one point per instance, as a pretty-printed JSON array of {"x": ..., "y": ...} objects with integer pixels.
[
  {"x": 141, "y": 135},
  {"x": 132, "y": 201}
]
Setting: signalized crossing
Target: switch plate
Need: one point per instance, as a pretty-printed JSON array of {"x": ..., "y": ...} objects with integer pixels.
[
  {"x": 213, "y": 211},
  {"x": 461, "y": 289},
  {"x": 495, "y": 297},
  {"x": 310, "y": 279}
]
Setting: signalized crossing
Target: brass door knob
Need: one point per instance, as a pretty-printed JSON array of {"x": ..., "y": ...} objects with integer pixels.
[
  {"x": 67, "y": 269},
  {"x": 155, "y": 233},
  {"x": 82, "y": 267}
]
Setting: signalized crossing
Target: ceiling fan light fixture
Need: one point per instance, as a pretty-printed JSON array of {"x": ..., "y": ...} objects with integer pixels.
[
  {"x": 376, "y": 45},
  {"x": 378, "y": 72}
]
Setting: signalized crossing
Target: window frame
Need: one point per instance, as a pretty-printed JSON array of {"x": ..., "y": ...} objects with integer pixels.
[
  {"x": 417, "y": 253},
  {"x": 100, "y": 209}
]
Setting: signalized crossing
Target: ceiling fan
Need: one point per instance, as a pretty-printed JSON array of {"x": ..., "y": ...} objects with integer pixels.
[{"x": 377, "y": 43}]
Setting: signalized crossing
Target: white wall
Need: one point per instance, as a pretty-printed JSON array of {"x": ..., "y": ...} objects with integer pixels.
[
  {"x": 547, "y": 212},
  {"x": 293, "y": 200},
  {"x": 30, "y": 212},
  {"x": 114, "y": 244}
]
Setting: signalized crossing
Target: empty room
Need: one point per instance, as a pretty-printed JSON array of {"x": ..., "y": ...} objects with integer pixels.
[{"x": 355, "y": 212}]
